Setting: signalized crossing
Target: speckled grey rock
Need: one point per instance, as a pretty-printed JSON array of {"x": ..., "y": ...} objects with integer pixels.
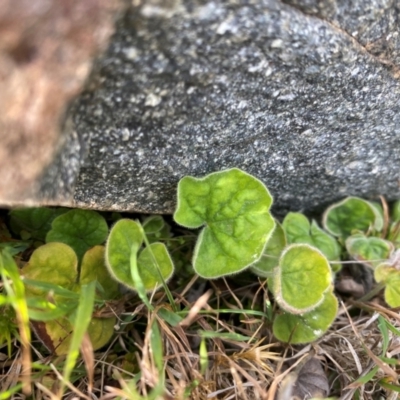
[{"x": 305, "y": 95}]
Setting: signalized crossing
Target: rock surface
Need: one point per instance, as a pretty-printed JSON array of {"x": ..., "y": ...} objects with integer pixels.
[
  {"x": 305, "y": 95},
  {"x": 46, "y": 53}
]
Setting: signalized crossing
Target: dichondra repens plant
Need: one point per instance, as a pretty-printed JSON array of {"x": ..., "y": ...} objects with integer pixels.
[{"x": 74, "y": 249}]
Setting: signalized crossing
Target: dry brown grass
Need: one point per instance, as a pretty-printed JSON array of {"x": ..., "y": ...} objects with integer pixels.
[{"x": 256, "y": 368}]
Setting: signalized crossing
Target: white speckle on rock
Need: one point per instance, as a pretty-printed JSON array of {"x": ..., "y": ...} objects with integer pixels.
[
  {"x": 277, "y": 44},
  {"x": 258, "y": 67},
  {"x": 125, "y": 134},
  {"x": 152, "y": 100},
  {"x": 226, "y": 26},
  {"x": 355, "y": 165},
  {"x": 131, "y": 53},
  {"x": 139, "y": 152}
]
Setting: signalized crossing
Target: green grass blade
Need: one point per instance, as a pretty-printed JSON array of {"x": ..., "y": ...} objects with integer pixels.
[
  {"x": 137, "y": 280},
  {"x": 81, "y": 323},
  {"x": 156, "y": 347},
  {"x": 203, "y": 356},
  {"x": 366, "y": 378},
  {"x": 224, "y": 335},
  {"x": 15, "y": 290}
]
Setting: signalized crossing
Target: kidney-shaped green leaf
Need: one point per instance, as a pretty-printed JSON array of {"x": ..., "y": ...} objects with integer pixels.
[
  {"x": 80, "y": 229},
  {"x": 369, "y": 250},
  {"x": 234, "y": 207},
  {"x": 55, "y": 263},
  {"x": 352, "y": 214},
  {"x": 126, "y": 236},
  {"x": 310, "y": 326},
  {"x": 149, "y": 272},
  {"x": 37, "y": 220},
  {"x": 269, "y": 260},
  {"x": 299, "y": 230},
  {"x": 302, "y": 278},
  {"x": 123, "y": 235}
]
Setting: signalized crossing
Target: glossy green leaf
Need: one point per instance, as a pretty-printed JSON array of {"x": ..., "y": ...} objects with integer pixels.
[
  {"x": 55, "y": 263},
  {"x": 307, "y": 327},
  {"x": 123, "y": 235},
  {"x": 35, "y": 221},
  {"x": 352, "y": 214},
  {"x": 80, "y": 229},
  {"x": 369, "y": 250},
  {"x": 234, "y": 207},
  {"x": 94, "y": 268},
  {"x": 302, "y": 278},
  {"x": 299, "y": 230},
  {"x": 269, "y": 260}
]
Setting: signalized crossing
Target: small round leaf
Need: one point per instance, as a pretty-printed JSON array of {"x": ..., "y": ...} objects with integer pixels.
[
  {"x": 80, "y": 229},
  {"x": 234, "y": 207},
  {"x": 54, "y": 263},
  {"x": 299, "y": 230},
  {"x": 310, "y": 326},
  {"x": 369, "y": 250},
  {"x": 302, "y": 278},
  {"x": 352, "y": 214},
  {"x": 147, "y": 268},
  {"x": 123, "y": 235}
]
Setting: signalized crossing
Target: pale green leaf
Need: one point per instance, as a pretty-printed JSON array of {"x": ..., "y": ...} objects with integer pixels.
[
  {"x": 152, "y": 261},
  {"x": 299, "y": 230},
  {"x": 54, "y": 263},
  {"x": 123, "y": 235},
  {"x": 234, "y": 207},
  {"x": 307, "y": 327},
  {"x": 352, "y": 214},
  {"x": 302, "y": 278},
  {"x": 369, "y": 250}
]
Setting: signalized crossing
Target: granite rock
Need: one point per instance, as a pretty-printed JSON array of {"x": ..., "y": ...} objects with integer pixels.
[{"x": 305, "y": 95}]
